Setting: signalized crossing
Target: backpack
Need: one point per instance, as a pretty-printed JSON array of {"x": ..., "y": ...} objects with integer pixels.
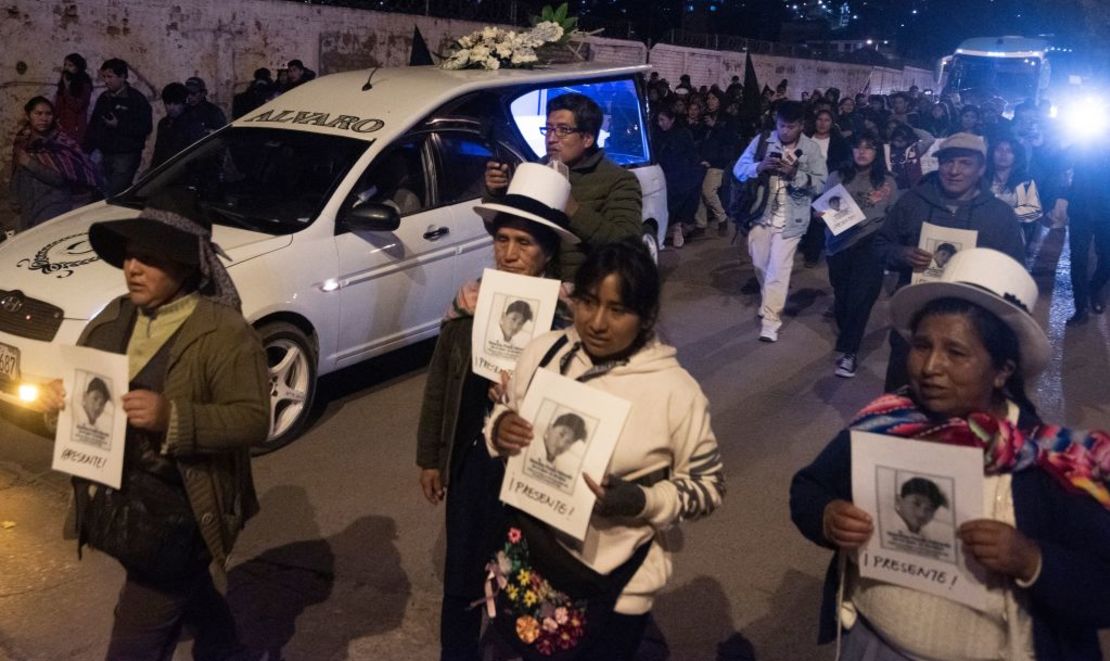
[{"x": 748, "y": 199}]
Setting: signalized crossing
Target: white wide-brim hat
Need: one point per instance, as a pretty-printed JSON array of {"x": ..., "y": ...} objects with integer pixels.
[
  {"x": 989, "y": 279},
  {"x": 536, "y": 193}
]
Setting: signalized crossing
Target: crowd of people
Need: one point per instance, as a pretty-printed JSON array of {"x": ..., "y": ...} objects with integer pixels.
[
  {"x": 962, "y": 349},
  {"x": 69, "y": 150},
  {"x": 921, "y": 156}
]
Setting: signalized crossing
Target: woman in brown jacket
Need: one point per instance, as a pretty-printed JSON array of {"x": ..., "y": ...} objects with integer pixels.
[{"x": 198, "y": 400}]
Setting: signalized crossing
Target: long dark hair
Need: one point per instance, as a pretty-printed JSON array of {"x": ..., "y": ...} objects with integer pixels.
[
  {"x": 999, "y": 339},
  {"x": 877, "y": 172},
  {"x": 1017, "y": 172},
  {"x": 79, "y": 80}
]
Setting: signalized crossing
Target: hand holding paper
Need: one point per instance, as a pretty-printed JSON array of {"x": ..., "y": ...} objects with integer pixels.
[
  {"x": 511, "y": 434},
  {"x": 1001, "y": 548},
  {"x": 846, "y": 525}
]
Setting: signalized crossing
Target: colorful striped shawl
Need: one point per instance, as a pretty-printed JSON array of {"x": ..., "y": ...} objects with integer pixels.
[
  {"x": 1078, "y": 459},
  {"x": 60, "y": 153}
]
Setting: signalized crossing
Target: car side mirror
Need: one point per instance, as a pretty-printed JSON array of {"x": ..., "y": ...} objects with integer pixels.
[{"x": 372, "y": 217}]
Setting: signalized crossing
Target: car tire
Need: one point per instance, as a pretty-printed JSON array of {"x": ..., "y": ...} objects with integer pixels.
[
  {"x": 291, "y": 360},
  {"x": 651, "y": 242}
]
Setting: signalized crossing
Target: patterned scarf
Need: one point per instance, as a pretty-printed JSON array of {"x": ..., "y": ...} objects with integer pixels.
[
  {"x": 60, "y": 153},
  {"x": 215, "y": 283},
  {"x": 1079, "y": 460},
  {"x": 466, "y": 301}
]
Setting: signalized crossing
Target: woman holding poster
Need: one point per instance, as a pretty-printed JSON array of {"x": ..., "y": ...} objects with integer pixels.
[
  {"x": 527, "y": 226},
  {"x": 855, "y": 268},
  {"x": 666, "y": 467},
  {"x": 1044, "y": 539},
  {"x": 198, "y": 398}
]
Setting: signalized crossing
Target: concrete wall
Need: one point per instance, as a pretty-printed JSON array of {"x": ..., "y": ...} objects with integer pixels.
[{"x": 710, "y": 66}]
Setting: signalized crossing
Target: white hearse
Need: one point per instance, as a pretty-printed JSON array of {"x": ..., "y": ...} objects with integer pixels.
[{"x": 345, "y": 206}]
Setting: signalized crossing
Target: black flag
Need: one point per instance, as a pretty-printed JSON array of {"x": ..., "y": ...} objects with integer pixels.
[
  {"x": 420, "y": 55},
  {"x": 751, "y": 107}
]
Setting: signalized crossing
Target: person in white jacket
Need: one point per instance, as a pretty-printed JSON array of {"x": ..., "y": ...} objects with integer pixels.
[{"x": 666, "y": 467}]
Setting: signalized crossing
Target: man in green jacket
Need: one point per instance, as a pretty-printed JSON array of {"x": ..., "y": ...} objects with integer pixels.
[{"x": 606, "y": 202}]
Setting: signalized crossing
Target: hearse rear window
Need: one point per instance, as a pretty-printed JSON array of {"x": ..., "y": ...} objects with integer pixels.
[{"x": 623, "y": 134}]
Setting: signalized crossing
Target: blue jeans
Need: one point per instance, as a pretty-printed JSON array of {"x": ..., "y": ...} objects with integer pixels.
[{"x": 119, "y": 171}]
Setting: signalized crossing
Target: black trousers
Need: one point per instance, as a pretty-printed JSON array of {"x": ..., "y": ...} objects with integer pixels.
[
  {"x": 1083, "y": 228},
  {"x": 856, "y": 274},
  {"x": 813, "y": 241},
  {"x": 149, "y": 617},
  {"x": 474, "y": 518},
  {"x": 897, "y": 375}
]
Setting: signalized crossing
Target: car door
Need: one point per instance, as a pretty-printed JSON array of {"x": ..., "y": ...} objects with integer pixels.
[
  {"x": 461, "y": 158},
  {"x": 395, "y": 285}
]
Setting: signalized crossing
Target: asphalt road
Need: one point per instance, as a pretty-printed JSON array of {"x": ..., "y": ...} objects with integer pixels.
[{"x": 344, "y": 560}]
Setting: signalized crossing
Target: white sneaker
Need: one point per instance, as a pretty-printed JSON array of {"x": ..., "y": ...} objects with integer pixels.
[
  {"x": 769, "y": 335},
  {"x": 679, "y": 239}
]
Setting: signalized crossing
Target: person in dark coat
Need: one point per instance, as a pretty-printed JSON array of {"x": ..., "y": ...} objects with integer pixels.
[
  {"x": 678, "y": 157},
  {"x": 173, "y": 133},
  {"x": 956, "y": 198},
  {"x": 450, "y": 451},
  {"x": 121, "y": 121},
  {"x": 1042, "y": 542},
  {"x": 202, "y": 116},
  {"x": 260, "y": 90}
]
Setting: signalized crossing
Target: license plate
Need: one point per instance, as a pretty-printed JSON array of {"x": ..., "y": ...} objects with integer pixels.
[{"x": 9, "y": 363}]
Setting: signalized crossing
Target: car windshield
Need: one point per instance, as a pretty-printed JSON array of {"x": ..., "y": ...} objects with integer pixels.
[{"x": 268, "y": 180}]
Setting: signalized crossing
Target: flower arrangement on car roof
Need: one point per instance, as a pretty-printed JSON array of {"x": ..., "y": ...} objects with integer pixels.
[{"x": 495, "y": 48}]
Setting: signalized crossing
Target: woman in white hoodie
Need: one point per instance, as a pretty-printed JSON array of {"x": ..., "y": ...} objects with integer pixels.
[{"x": 666, "y": 467}]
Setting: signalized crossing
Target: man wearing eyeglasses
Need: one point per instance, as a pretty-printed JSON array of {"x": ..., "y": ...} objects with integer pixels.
[{"x": 606, "y": 203}]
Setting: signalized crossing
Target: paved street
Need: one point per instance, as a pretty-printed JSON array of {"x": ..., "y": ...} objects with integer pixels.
[{"x": 343, "y": 561}]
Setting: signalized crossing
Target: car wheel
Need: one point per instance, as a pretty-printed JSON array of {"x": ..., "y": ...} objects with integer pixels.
[
  {"x": 651, "y": 242},
  {"x": 291, "y": 359}
]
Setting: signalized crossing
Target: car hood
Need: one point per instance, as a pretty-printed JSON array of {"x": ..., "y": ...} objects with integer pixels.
[{"x": 54, "y": 262}]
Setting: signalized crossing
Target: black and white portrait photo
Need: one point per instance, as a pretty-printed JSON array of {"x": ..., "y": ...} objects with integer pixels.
[
  {"x": 511, "y": 325},
  {"x": 92, "y": 421},
  {"x": 915, "y": 513},
  {"x": 556, "y": 456}
]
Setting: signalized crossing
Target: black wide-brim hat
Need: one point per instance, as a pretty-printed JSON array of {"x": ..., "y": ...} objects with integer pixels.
[
  {"x": 154, "y": 231},
  {"x": 110, "y": 240}
]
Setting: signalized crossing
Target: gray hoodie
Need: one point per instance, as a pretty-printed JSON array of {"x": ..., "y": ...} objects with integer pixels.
[{"x": 994, "y": 220}]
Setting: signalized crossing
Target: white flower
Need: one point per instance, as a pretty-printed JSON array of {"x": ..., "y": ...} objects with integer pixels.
[
  {"x": 458, "y": 60},
  {"x": 524, "y": 56},
  {"x": 492, "y": 63},
  {"x": 504, "y": 50},
  {"x": 466, "y": 41},
  {"x": 548, "y": 31},
  {"x": 489, "y": 33},
  {"x": 479, "y": 52}
]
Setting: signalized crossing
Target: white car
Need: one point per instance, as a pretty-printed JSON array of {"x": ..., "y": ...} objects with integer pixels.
[{"x": 345, "y": 206}]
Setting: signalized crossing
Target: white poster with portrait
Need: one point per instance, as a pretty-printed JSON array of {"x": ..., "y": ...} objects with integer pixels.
[
  {"x": 918, "y": 494},
  {"x": 576, "y": 429},
  {"x": 511, "y": 310},
  {"x": 92, "y": 426},
  {"x": 943, "y": 243},
  {"x": 839, "y": 211}
]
